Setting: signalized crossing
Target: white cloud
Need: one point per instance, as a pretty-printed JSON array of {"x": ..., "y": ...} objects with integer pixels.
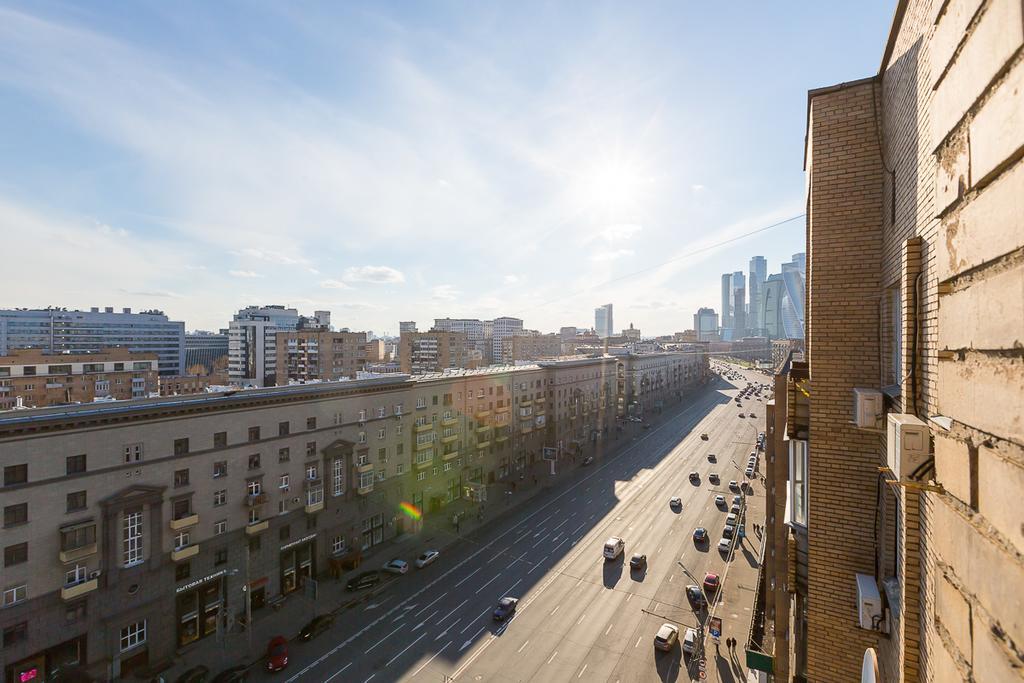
[
  {"x": 510, "y": 279},
  {"x": 444, "y": 292},
  {"x": 619, "y": 232},
  {"x": 244, "y": 273},
  {"x": 697, "y": 188},
  {"x": 611, "y": 254},
  {"x": 270, "y": 257},
  {"x": 334, "y": 284},
  {"x": 191, "y": 267},
  {"x": 374, "y": 274}
]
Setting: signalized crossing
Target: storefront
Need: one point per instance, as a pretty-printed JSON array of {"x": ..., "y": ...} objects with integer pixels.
[
  {"x": 297, "y": 563},
  {"x": 197, "y": 607},
  {"x": 48, "y": 664}
]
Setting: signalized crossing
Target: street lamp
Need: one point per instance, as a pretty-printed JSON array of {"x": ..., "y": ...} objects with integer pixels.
[{"x": 707, "y": 605}]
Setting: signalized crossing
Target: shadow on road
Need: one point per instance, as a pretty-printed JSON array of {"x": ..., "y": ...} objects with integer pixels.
[
  {"x": 613, "y": 571},
  {"x": 668, "y": 664},
  {"x": 749, "y": 556}
]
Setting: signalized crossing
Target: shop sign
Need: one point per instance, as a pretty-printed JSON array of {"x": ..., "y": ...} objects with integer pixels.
[
  {"x": 300, "y": 541},
  {"x": 198, "y": 582}
]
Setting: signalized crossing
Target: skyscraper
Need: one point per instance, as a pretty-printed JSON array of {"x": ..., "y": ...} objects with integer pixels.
[
  {"x": 705, "y": 324},
  {"x": 758, "y": 275},
  {"x": 739, "y": 304},
  {"x": 726, "y": 301},
  {"x": 603, "y": 324}
]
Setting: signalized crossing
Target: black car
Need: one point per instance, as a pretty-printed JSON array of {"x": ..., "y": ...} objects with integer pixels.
[
  {"x": 236, "y": 674},
  {"x": 317, "y": 626},
  {"x": 364, "y": 580},
  {"x": 196, "y": 674},
  {"x": 638, "y": 561},
  {"x": 505, "y": 609}
]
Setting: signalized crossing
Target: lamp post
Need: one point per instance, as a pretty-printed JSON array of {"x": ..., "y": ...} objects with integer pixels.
[{"x": 707, "y": 606}]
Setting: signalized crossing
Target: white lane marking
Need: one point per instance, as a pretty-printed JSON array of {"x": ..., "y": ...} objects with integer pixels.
[
  {"x": 425, "y": 620},
  {"x": 555, "y": 610},
  {"x": 561, "y": 525},
  {"x": 552, "y": 656},
  {"x": 391, "y": 661},
  {"x": 629, "y": 597},
  {"x": 518, "y": 581},
  {"x": 638, "y": 641},
  {"x": 370, "y": 678},
  {"x": 608, "y": 629},
  {"x": 468, "y": 577},
  {"x": 588, "y": 500},
  {"x": 537, "y": 565},
  {"x": 488, "y": 583},
  {"x": 497, "y": 555},
  {"x": 540, "y": 541},
  {"x": 580, "y": 621},
  {"x": 670, "y": 577},
  {"x": 431, "y": 603},
  {"x": 424, "y": 664},
  {"x": 473, "y": 621},
  {"x": 338, "y": 672},
  {"x": 574, "y": 531},
  {"x": 522, "y": 646},
  {"x": 385, "y": 638},
  {"x": 452, "y": 612},
  {"x": 581, "y": 671}
]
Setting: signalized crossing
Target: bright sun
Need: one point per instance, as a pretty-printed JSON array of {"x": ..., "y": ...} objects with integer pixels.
[{"x": 610, "y": 186}]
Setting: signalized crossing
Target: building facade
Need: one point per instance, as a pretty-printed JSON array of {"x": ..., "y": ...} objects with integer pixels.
[
  {"x": 169, "y": 507},
  {"x": 705, "y": 324},
  {"x": 434, "y": 351},
  {"x": 897, "y": 543},
  {"x": 31, "y": 378},
  {"x": 523, "y": 347},
  {"x": 318, "y": 355},
  {"x": 756, "y": 277},
  {"x": 648, "y": 381},
  {"x": 604, "y": 324},
  {"x": 205, "y": 348},
  {"x": 57, "y": 330},
  {"x": 252, "y": 343}
]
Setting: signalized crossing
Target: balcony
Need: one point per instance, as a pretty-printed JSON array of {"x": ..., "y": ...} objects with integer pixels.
[
  {"x": 77, "y": 590},
  {"x": 313, "y": 508},
  {"x": 450, "y": 456},
  {"x": 424, "y": 446},
  {"x": 423, "y": 427},
  {"x": 503, "y": 409},
  {"x": 483, "y": 444},
  {"x": 450, "y": 438},
  {"x": 254, "y": 499},
  {"x": 449, "y": 421},
  {"x": 257, "y": 527},
  {"x": 501, "y": 438},
  {"x": 185, "y": 552},
  {"x": 526, "y": 402},
  {"x": 364, "y": 467},
  {"x": 363, "y": 490},
  {"x": 185, "y": 522},
  {"x": 483, "y": 429},
  {"x": 526, "y": 428},
  {"x": 423, "y": 464},
  {"x": 539, "y": 410},
  {"x": 76, "y": 554},
  {"x": 483, "y": 414}
]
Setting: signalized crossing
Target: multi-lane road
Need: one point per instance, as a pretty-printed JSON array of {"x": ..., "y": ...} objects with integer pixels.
[{"x": 579, "y": 618}]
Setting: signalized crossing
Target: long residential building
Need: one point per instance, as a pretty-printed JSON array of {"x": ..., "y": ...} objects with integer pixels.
[
  {"x": 648, "y": 380},
  {"x": 895, "y": 451},
  {"x": 58, "y": 330},
  {"x": 129, "y": 528},
  {"x": 252, "y": 343},
  {"x": 319, "y": 355},
  {"x": 434, "y": 351}
]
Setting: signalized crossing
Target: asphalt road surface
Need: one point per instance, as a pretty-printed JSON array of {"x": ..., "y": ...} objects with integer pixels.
[{"x": 579, "y": 618}]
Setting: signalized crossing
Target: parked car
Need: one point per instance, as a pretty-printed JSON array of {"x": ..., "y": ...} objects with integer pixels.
[
  {"x": 711, "y": 583},
  {"x": 690, "y": 641},
  {"x": 735, "y": 509},
  {"x": 713, "y": 478},
  {"x": 720, "y": 501},
  {"x": 736, "y": 500},
  {"x": 505, "y": 609},
  {"x": 196, "y": 674},
  {"x": 316, "y": 626},
  {"x": 426, "y": 558},
  {"x": 364, "y": 580},
  {"x": 277, "y": 653},
  {"x": 675, "y": 502},
  {"x": 695, "y": 596},
  {"x": 724, "y": 545},
  {"x": 704, "y": 437},
  {"x": 235, "y": 674},
  {"x": 730, "y": 519},
  {"x": 700, "y": 535},
  {"x": 695, "y": 476},
  {"x": 638, "y": 561},
  {"x": 396, "y": 566},
  {"x": 666, "y": 637},
  {"x": 733, "y": 486},
  {"x": 728, "y": 531},
  {"x": 742, "y": 415},
  {"x": 712, "y": 458}
]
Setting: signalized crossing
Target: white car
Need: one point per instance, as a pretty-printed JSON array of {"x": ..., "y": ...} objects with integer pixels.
[
  {"x": 724, "y": 545},
  {"x": 690, "y": 641},
  {"x": 720, "y": 501},
  {"x": 397, "y": 566},
  {"x": 675, "y": 502},
  {"x": 426, "y": 558}
]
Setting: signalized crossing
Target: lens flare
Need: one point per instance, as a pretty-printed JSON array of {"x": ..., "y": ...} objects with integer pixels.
[{"x": 410, "y": 510}]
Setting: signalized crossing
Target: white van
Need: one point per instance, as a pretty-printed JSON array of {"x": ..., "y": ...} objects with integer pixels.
[{"x": 613, "y": 547}]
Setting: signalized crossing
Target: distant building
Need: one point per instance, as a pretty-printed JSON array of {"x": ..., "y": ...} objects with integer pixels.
[
  {"x": 632, "y": 334},
  {"x": 530, "y": 347},
  {"x": 473, "y": 328},
  {"x": 407, "y": 326},
  {"x": 205, "y": 348},
  {"x": 375, "y": 351},
  {"x": 318, "y": 355},
  {"x": 252, "y": 340},
  {"x": 705, "y": 324},
  {"x": 726, "y": 301},
  {"x": 433, "y": 351},
  {"x": 32, "y": 378},
  {"x": 184, "y": 385},
  {"x": 603, "y": 322},
  {"x": 758, "y": 274},
  {"x": 500, "y": 330},
  {"x": 57, "y": 330},
  {"x": 567, "y": 333}
]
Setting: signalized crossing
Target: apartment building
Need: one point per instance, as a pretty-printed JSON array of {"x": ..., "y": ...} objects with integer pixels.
[
  {"x": 318, "y": 355},
  {"x": 252, "y": 343},
  {"x": 130, "y": 529},
  {"x": 184, "y": 385},
  {"x": 434, "y": 351},
  {"x": 32, "y": 378},
  {"x": 58, "y": 330},
  {"x": 895, "y": 547},
  {"x": 648, "y": 380},
  {"x": 205, "y": 349},
  {"x": 526, "y": 347}
]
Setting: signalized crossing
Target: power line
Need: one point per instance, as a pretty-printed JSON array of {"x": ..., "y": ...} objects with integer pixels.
[{"x": 681, "y": 257}]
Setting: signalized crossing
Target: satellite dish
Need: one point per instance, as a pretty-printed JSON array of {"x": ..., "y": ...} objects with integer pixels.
[{"x": 869, "y": 667}]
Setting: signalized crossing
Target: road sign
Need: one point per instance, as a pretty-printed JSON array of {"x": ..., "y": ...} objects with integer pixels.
[
  {"x": 550, "y": 453},
  {"x": 715, "y": 627}
]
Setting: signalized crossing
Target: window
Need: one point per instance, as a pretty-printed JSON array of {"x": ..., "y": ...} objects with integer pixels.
[
  {"x": 381, "y": 412},
  {"x": 254, "y": 461},
  {"x": 337, "y": 477},
  {"x": 75, "y": 464},
  {"x": 398, "y": 409},
  {"x": 282, "y": 506},
  {"x": 365, "y": 480},
  {"x": 133, "y": 635},
  {"x": 75, "y": 612},
  {"x": 28, "y": 370},
  {"x": 220, "y": 527},
  {"x": 434, "y": 470},
  {"x": 285, "y": 532},
  {"x": 362, "y": 459},
  {"x": 131, "y": 538},
  {"x": 338, "y": 545},
  {"x": 77, "y": 537},
  {"x": 421, "y": 402},
  {"x": 382, "y": 433},
  {"x": 254, "y": 515},
  {"x": 283, "y": 484},
  {"x": 220, "y": 497},
  {"x": 400, "y": 449},
  {"x": 15, "y": 514},
  {"x": 797, "y": 502},
  {"x": 362, "y": 437},
  {"x": 310, "y": 423},
  {"x": 254, "y": 487},
  {"x": 15, "y": 554},
  {"x": 182, "y": 570},
  {"x": 380, "y": 475},
  {"x": 220, "y": 556},
  {"x": 399, "y": 468},
  {"x": 435, "y": 399},
  {"x": 181, "y": 446},
  {"x": 254, "y": 434},
  {"x": 181, "y": 508},
  {"x": 220, "y": 440},
  {"x": 182, "y": 539},
  {"x": 284, "y": 454},
  {"x": 315, "y": 495},
  {"x": 447, "y": 467},
  {"x": 15, "y": 474},
  {"x": 382, "y": 454},
  {"x": 180, "y": 478},
  {"x": 14, "y": 595},
  {"x": 398, "y": 430},
  {"x": 75, "y": 501},
  {"x": 362, "y": 415},
  {"x": 311, "y": 449},
  {"x": 60, "y": 370},
  {"x": 220, "y": 469},
  {"x": 15, "y": 634},
  {"x": 283, "y": 429},
  {"x": 312, "y": 471},
  {"x": 420, "y": 476},
  {"x": 133, "y": 452}
]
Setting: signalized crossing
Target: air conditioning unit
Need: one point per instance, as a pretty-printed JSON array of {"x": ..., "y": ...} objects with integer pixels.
[
  {"x": 95, "y": 574},
  {"x": 869, "y": 602},
  {"x": 295, "y": 499},
  {"x": 908, "y": 443},
  {"x": 868, "y": 408}
]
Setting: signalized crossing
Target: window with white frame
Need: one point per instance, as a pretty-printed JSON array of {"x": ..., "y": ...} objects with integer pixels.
[
  {"x": 220, "y": 497},
  {"x": 133, "y": 452},
  {"x": 424, "y": 456},
  {"x": 337, "y": 477},
  {"x": 362, "y": 437},
  {"x": 338, "y": 545},
  {"x": 131, "y": 538},
  {"x": 220, "y": 527},
  {"x": 181, "y": 539},
  {"x": 285, "y": 480},
  {"x": 312, "y": 471},
  {"x": 798, "y": 482},
  {"x": 399, "y": 468},
  {"x": 447, "y": 467},
  {"x": 14, "y": 595},
  {"x": 362, "y": 415},
  {"x": 76, "y": 575},
  {"x": 420, "y": 476},
  {"x": 382, "y": 433},
  {"x": 365, "y": 480},
  {"x": 254, "y": 487},
  {"x": 381, "y": 411},
  {"x": 398, "y": 409},
  {"x": 363, "y": 459},
  {"x": 421, "y": 402},
  {"x": 398, "y": 430},
  {"x": 254, "y": 515},
  {"x": 380, "y": 475},
  {"x": 427, "y": 437},
  {"x": 315, "y": 495},
  {"x": 133, "y": 635}
]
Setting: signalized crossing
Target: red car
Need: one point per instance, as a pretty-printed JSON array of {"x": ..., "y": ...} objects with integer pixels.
[
  {"x": 710, "y": 583},
  {"x": 277, "y": 653}
]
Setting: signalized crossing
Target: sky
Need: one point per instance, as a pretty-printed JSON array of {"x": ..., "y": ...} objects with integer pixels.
[{"x": 406, "y": 161}]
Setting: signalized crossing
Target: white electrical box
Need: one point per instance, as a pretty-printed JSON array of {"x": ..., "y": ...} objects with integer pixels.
[
  {"x": 869, "y": 602},
  {"x": 908, "y": 443},
  {"x": 868, "y": 407}
]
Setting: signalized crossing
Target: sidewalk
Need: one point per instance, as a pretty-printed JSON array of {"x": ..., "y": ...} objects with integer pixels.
[{"x": 438, "y": 532}]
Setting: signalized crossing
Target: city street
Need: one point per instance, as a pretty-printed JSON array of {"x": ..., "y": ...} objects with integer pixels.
[{"x": 578, "y": 617}]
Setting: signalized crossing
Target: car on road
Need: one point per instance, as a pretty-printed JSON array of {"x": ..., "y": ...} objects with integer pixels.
[
  {"x": 695, "y": 476},
  {"x": 316, "y": 626},
  {"x": 736, "y": 500},
  {"x": 704, "y": 436},
  {"x": 731, "y": 519},
  {"x": 196, "y": 674},
  {"x": 695, "y": 596},
  {"x": 720, "y": 501},
  {"x": 426, "y": 558},
  {"x": 712, "y": 458},
  {"x": 277, "y": 653},
  {"x": 729, "y": 531},
  {"x": 724, "y": 545},
  {"x": 714, "y": 478},
  {"x": 666, "y": 637},
  {"x": 235, "y": 674},
  {"x": 753, "y": 415},
  {"x": 742, "y": 415},
  {"x": 749, "y": 472},
  {"x": 700, "y": 535},
  {"x": 638, "y": 561},
  {"x": 711, "y": 583},
  {"x": 735, "y": 509},
  {"x": 613, "y": 547},
  {"x": 733, "y": 486},
  {"x": 396, "y": 566},
  {"x": 364, "y": 580},
  {"x": 675, "y": 502},
  {"x": 505, "y": 609},
  {"x": 690, "y": 641},
  {"x": 587, "y": 460}
]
